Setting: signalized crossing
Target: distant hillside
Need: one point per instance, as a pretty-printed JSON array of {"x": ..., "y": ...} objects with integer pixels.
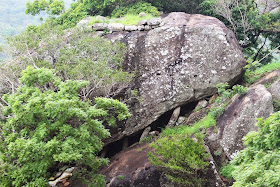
[{"x": 13, "y": 19}]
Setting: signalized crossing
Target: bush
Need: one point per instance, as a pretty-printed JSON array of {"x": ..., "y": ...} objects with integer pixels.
[
  {"x": 188, "y": 6},
  {"x": 47, "y": 127},
  {"x": 135, "y": 9},
  {"x": 181, "y": 159},
  {"x": 259, "y": 163},
  {"x": 75, "y": 54}
]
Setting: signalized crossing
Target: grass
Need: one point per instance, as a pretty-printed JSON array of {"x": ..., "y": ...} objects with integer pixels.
[
  {"x": 95, "y": 20},
  {"x": 252, "y": 76},
  {"x": 132, "y": 19},
  {"x": 204, "y": 123},
  {"x": 128, "y": 19}
]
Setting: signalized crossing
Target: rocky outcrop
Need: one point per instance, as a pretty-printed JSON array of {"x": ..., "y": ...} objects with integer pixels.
[
  {"x": 274, "y": 89},
  {"x": 269, "y": 78},
  {"x": 177, "y": 63},
  {"x": 131, "y": 168},
  {"x": 239, "y": 118}
]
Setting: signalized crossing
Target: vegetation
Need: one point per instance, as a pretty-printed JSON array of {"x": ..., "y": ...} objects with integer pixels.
[
  {"x": 255, "y": 71},
  {"x": 47, "y": 127},
  {"x": 135, "y": 9},
  {"x": 167, "y": 6},
  {"x": 133, "y": 19},
  {"x": 253, "y": 24},
  {"x": 128, "y": 19},
  {"x": 260, "y": 160},
  {"x": 74, "y": 53},
  {"x": 181, "y": 158}
]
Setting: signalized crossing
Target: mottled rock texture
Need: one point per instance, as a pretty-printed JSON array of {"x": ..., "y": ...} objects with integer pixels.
[
  {"x": 179, "y": 62},
  {"x": 274, "y": 89},
  {"x": 239, "y": 118}
]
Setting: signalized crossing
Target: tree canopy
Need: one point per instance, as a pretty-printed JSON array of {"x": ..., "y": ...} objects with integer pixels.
[{"x": 47, "y": 126}]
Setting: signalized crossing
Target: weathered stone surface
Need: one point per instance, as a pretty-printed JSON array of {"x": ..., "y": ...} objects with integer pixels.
[
  {"x": 238, "y": 119},
  {"x": 174, "y": 117},
  {"x": 147, "y": 27},
  {"x": 274, "y": 89},
  {"x": 83, "y": 22},
  {"x": 131, "y": 28},
  {"x": 101, "y": 18},
  {"x": 145, "y": 134},
  {"x": 142, "y": 14},
  {"x": 201, "y": 104},
  {"x": 115, "y": 27},
  {"x": 99, "y": 26},
  {"x": 136, "y": 171},
  {"x": 177, "y": 63},
  {"x": 143, "y": 22},
  {"x": 196, "y": 116},
  {"x": 268, "y": 78},
  {"x": 134, "y": 166},
  {"x": 154, "y": 21},
  {"x": 141, "y": 27}
]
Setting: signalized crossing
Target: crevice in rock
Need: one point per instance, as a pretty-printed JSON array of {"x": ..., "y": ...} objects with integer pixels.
[{"x": 115, "y": 147}]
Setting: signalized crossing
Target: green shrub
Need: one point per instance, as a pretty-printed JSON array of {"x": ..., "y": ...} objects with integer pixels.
[
  {"x": 47, "y": 127},
  {"x": 135, "y": 9},
  {"x": 253, "y": 74},
  {"x": 259, "y": 163},
  {"x": 181, "y": 159},
  {"x": 276, "y": 104},
  {"x": 188, "y": 6},
  {"x": 75, "y": 54},
  {"x": 226, "y": 171}
]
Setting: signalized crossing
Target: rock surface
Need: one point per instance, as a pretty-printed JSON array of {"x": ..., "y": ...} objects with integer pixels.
[
  {"x": 177, "y": 63},
  {"x": 131, "y": 168},
  {"x": 239, "y": 118},
  {"x": 274, "y": 89}
]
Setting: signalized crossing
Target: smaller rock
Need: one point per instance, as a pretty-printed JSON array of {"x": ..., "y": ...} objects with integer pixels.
[
  {"x": 83, "y": 22},
  {"x": 196, "y": 116},
  {"x": 274, "y": 89},
  {"x": 143, "y": 22},
  {"x": 213, "y": 98},
  {"x": 115, "y": 27},
  {"x": 154, "y": 21},
  {"x": 142, "y": 14},
  {"x": 141, "y": 27},
  {"x": 131, "y": 28},
  {"x": 63, "y": 177},
  {"x": 269, "y": 78},
  {"x": 147, "y": 27},
  {"x": 181, "y": 119},
  {"x": 99, "y": 26},
  {"x": 145, "y": 133},
  {"x": 101, "y": 18},
  {"x": 201, "y": 104},
  {"x": 174, "y": 117}
]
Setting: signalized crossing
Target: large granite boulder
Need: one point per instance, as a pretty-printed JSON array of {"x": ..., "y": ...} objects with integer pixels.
[
  {"x": 179, "y": 62},
  {"x": 239, "y": 118}
]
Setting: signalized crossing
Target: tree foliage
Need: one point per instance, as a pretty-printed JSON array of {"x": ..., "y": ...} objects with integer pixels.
[
  {"x": 251, "y": 24},
  {"x": 52, "y": 7},
  {"x": 75, "y": 54},
  {"x": 48, "y": 126},
  {"x": 259, "y": 163}
]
